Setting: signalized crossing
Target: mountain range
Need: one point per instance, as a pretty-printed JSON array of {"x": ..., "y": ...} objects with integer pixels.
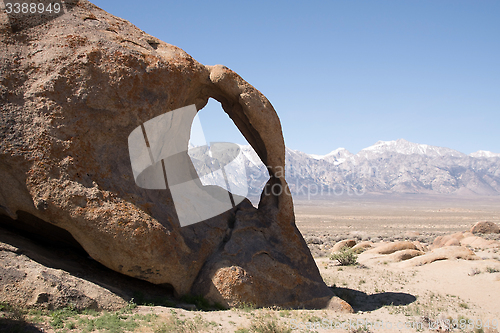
[{"x": 396, "y": 166}]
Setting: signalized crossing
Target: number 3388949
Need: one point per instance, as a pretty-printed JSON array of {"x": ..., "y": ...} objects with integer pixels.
[{"x": 32, "y": 8}]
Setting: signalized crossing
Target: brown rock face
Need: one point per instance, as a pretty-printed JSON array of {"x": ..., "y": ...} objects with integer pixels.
[{"x": 71, "y": 91}]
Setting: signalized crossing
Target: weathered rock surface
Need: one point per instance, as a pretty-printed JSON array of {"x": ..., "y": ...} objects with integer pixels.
[
  {"x": 363, "y": 246},
  {"x": 464, "y": 239},
  {"x": 393, "y": 247},
  {"x": 413, "y": 257},
  {"x": 403, "y": 255},
  {"x": 343, "y": 243},
  {"x": 443, "y": 253},
  {"x": 485, "y": 227},
  {"x": 479, "y": 242},
  {"x": 370, "y": 257},
  {"x": 448, "y": 240},
  {"x": 420, "y": 247},
  {"x": 34, "y": 274},
  {"x": 71, "y": 91}
]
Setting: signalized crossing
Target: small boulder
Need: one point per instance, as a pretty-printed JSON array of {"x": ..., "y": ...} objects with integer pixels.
[
  {"x": 344, "y": 243},
  {"x": 403, "y": 255},
  {"x": 363, "y": 246},
  {"x": 485, "y": 227},
  {"x": 339, "y": 305},
  {"x": 447, "y": 240},
  {"x": 393, "y": 247}
]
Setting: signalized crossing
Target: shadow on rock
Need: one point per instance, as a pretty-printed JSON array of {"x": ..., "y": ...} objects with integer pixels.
[
  {"x": 361, "y": 301},
  {"x": 59, "y": 274}
]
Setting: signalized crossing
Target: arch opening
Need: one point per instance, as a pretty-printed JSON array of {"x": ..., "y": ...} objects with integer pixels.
[{"x": 247, "y": 174}]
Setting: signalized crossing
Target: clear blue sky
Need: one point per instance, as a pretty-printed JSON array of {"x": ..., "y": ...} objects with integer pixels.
[{"x": 347, "y": 73}]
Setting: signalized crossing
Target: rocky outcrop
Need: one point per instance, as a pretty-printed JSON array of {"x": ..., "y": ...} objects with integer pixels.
[
  {"x": 464, "y": 239},
  {"x": 71, "y": 91},
  {"x": 443, "y": 253},
  {"x": 402, "y": 254},
  {"x": 485, "y": 227},
  {"x": 479, "y": 242}
]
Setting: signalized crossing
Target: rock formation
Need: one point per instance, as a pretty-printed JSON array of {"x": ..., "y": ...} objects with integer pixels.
[
  {"x": 71, "y": 91},
  {"x": 29, "y": 277},
  {"x": 343, "y": 243},
  {"x": 485, "y": 227},
  {"x": 442, "y": 253},
  {"x": 448, "y": 240},
  {"x": 465, "y": 239},
  {"x": 393, "y": 247}
]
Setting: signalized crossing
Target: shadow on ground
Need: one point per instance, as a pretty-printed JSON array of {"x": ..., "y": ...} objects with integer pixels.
[
  {"x": 361, "y": 301},
  {"x": 8, "y": 325}
]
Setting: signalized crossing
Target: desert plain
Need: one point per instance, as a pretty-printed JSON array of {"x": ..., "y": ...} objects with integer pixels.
[{"x": 393, "y": 292}]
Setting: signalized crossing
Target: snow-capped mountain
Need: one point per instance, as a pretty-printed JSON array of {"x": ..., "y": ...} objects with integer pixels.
[
  {"x": 484, "y": 153},
  {"x": 401, "y": 146},
  {"x": 336, "y": 157},
  {"x": 386, "y": 167}
]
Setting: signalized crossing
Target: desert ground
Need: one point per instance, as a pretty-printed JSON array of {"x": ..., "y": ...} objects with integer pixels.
[
  {"x": 387, "y": 295},
  {"x": 390, "y": 292}
]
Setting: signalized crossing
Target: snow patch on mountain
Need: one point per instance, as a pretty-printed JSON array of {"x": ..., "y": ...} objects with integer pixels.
[
  {"x": 336, "y": 156},
  {"x": 402, "y": 146},
  {"x": 484, "y": 154}
]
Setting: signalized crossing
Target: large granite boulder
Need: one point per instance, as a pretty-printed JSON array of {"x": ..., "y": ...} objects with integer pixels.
[{"x": 71, "y": 91}]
